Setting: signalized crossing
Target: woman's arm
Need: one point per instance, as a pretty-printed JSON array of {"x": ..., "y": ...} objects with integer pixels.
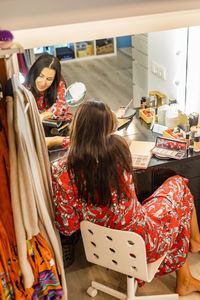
[
  {"x": 58, "y": 141},
  {"x": 46, "y": 115},
  {"x": 60, "y": 108}
]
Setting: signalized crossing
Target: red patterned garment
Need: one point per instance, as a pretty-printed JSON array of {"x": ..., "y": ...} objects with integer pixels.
[
  {"x": 60, "y": 108},
  {"x": 163, "y": 220},
  {"x": 66, "y": 142}
]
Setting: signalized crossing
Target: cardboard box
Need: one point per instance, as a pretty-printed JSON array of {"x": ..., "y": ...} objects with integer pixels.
[
  {"x": 82, "y": 53},
  {"x": 86, "y": 52},
  {"x": 109, "y": 48},
  {"x": 90, "y": 49}
]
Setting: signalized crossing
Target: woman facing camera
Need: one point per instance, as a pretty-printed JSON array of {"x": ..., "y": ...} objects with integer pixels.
[
  {"x": 95, "y": 182},
  {"x": 47, "y": 85}
]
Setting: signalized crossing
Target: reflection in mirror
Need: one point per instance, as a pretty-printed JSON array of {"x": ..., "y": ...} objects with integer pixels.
[
  {"x": 193, "y": 71},
  {"x": 159, "y": 64},
  {"x": 104, "y": 66},
  {"x": 75, "y": 94},
  {"x": 133, "y": 66}
]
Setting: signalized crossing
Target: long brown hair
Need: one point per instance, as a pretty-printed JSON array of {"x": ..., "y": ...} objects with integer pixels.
[
  {"x": 45, "y": 61},
  {"x": 97, "y": 158}
]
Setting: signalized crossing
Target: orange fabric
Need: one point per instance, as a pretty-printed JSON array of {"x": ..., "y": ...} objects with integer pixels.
[
  {"x": 44, "y": 269},
  {"x": 5, "y": 205},
  {"x": 10, "y": 280}
]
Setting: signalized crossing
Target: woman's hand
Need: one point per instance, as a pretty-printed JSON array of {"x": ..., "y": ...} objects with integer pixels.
[
  {"x": 54, "y": 141},
  {"x": 46, "y": 115}
]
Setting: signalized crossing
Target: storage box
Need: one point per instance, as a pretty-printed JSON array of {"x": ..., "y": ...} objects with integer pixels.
[
  {"x": 82, "y": 53},
  {"x": 90, "y": 49},
  {"x": 86, "y": 52},
  {"x": 109, "y": 48},
  {"x": 169, "y": 133},
  {"x": 147, "y": 114}
]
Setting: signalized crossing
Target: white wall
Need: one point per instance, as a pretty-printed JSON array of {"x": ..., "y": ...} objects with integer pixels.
[
  {"x": 193, "y": 77},
  {"x": 168, "y": 49}
]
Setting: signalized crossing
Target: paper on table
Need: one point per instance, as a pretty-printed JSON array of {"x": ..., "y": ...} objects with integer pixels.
[
  {"x": 140, "y": 147},
  {"x": 141, "y": 153}
]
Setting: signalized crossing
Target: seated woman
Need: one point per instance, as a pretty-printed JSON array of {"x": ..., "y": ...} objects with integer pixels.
[
  {"x": 47, "y": 85},
  {"x": 95, "y": 182}
]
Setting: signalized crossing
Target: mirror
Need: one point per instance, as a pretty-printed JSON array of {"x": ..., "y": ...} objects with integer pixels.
[
  {"x": 75, "y": 94},
  {"x": 106, "y": 76},
  {"x": 165, "y": 61}
]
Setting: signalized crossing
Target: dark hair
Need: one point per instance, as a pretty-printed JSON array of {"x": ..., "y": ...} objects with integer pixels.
[
  {"x": 45, "y": 61},
  {"x": 97, "y": 158}
]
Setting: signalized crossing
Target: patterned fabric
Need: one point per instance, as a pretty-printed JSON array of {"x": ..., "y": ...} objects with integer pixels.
[
  {"x": 46, "y": 285},
  {"x": 46, "y": 279},
  {"x": 60, "y": 108},
  {"x": 163, "y": 220},
  {"x": 66, "y": 142}
]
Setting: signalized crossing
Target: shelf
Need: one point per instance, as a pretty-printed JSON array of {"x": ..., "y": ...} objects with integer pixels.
[
  {"x": 15, "y": 48},
  {"x": 87, "y": 49},
  {"x": 80, "y": 50}
]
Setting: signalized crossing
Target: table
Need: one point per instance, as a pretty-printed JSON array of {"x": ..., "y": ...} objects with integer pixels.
[
  {"x": 158, "y": 171},
  {"x": 150, "y": 179}
]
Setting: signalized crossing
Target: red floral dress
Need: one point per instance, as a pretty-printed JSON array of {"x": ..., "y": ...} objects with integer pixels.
[
  {"x": 60, "y": 108},
  {"x": 163, "y": 220}
]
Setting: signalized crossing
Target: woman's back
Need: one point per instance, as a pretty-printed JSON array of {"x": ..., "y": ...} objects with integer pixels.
[{"x": 95, "y": 183}]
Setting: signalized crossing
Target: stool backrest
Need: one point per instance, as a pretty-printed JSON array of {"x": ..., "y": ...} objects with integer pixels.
[{"x": 122, "y": 251}]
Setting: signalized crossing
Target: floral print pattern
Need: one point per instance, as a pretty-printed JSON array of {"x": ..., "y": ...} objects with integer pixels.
[
  {"x": 60, "y": 108},
  {"x": 163, "y": 220}
]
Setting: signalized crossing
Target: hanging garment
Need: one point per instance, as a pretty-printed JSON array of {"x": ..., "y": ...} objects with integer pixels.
[
  {"x": 9, "y": 267},
  {"x": 46, "y": 282},
  {"x": 5, "y": 205},
  {"x": 22, "y": 64},
  {"x": 31, "y": 190}
]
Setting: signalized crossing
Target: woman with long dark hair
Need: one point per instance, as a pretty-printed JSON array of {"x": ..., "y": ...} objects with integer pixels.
[
  {"x": 47, "y": 85},
  {"x": 95, "y": 182}
]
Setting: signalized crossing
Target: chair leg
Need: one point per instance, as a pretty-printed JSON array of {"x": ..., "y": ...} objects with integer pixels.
[
  {"x": 110, "y": 291},
  {"x": 131, "y": 291},
  {"x": 131, "y": 288},
  {"x": 158, "y": 297}
]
